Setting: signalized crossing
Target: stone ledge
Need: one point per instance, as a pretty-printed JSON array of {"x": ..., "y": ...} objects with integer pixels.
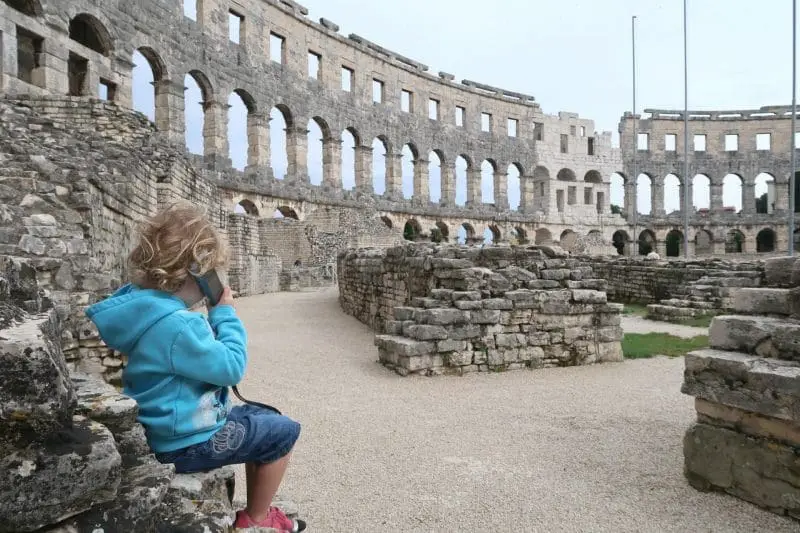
[
  {"x": 763, "y": 336},
  {"x": 752, "y": 424}
]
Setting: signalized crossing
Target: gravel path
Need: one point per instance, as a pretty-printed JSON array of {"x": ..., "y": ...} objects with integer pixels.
[
  {"x": 571, "y": 449},
  {"x": 635, "y": 324}
]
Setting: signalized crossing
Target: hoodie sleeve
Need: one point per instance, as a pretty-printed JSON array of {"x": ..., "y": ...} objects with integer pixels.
[{"x": 198, "y": 355}]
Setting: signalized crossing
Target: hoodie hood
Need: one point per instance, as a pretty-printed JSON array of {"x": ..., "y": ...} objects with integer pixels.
[{"x": 126, "y": 315}]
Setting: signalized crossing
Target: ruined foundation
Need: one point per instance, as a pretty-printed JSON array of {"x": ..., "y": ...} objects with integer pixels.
[
  {"x": 746, "y": 441},
  {"x": 447, "y": 309}
]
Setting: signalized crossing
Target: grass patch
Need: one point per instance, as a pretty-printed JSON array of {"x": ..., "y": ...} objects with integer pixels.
[
  {"x": 635, "y": 310},
  {"x": 698, "y": 322},
  {"x": 644, "y": 345}
]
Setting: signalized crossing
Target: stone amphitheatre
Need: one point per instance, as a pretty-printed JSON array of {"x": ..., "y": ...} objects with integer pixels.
[{"x": 503, "y": 308}]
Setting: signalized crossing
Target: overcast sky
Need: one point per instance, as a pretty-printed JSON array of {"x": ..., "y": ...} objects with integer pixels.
[{"x": 575, "y": 55}]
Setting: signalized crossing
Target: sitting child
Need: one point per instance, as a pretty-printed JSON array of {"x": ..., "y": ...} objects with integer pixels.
[{"x": 180, "y": 364}]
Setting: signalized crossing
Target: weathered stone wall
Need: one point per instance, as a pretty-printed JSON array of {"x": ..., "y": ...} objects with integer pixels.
[
  {"x": 746, "y": 440},
  {"x": 455, "y": 309}
]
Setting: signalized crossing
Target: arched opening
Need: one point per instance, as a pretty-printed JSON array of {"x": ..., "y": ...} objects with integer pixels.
[
  {"x": 644, "y": 197},
  {"x": 90, "y": 32},
  {"x": 703, "y": 243},
  {"x": 488, "y": 169},
  {"x": 380, "y": 149},
  {"x": 148, "y": 71},
  {"x": 443, "y": 232},
  {"x": 435, "y": 162},
  {"x": 568, "y": 239},
  {"x": 672, "y": 194},
  {"x": 240, "y": 105},
  {"x": 593, "y": 176},
  {"x": 32, "y": 8},
  {"x": 280, "y": 122},
  {"x": 521, "y": 235},
  {"x": 246, "y": 207},
  {"x": 674, "y": 242},
  {"x": 765, "y": 241},
  {"x": 387, "y": 222},
  {"x": 462, "y": 167},
  {"x": 315, "y": 157},
  {"x": 465, "y": 233},
  {"x": 285, "y": 212},
  {"x": 732, "y": 193},
  {"x": 543, "y": 236},
  {"x": 408, "y": 156},
  {"x": 701, "y": 192},
  {"x": 412, "y": 230},
  {"x": 617, "y": 193},
  {"x": 620, "y": 240},
  {"x": 566, "y": 174},
  {"x": 198, "y": 92},
  {"x": 647, "y": 242},
  {"x": 514, "y": 186},
  {"x": 765, "y": 193},
  {"x": 734, "y": 242},
  {"x": 349, "y": 142},
  {"x": 491, "y": 235}
]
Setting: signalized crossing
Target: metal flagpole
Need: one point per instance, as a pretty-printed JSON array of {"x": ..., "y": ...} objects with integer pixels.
[
  {"x": 686, "y": 199},
  {"x": 633, "y": 175},
  {"x": 792, "y": 196}
]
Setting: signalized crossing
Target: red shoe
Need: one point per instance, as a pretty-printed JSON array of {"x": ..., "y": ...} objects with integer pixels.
[{"x": 276, "y": 519}]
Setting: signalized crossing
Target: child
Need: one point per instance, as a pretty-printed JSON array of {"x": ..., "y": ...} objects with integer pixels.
[{"x": 180, "y": 365}]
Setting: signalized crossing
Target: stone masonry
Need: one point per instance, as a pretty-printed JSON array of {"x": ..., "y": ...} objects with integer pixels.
[
  {"x": 448, "y": 309},
  {"x": 746, "y": 440}
]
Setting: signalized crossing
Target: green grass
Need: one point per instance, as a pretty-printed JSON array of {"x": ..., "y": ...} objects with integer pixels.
[
  {"x": 635, "y": 310},
  {"x": 698, "y": 322},
  {"x": 640, "y": 346}
]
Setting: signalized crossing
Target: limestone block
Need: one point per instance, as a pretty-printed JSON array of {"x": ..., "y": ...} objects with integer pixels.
[
  {"x": 609, "y": 352},
  {"x": 468, "y": 305},
  {"x": 45, "y": 483},
  {"x": 764, "y": 336},
  {"x": 765, "y": 386},
  {"x": 458, "y": 358},
  {"x": 101, "y": 402},
  {"x": 510, "y": 340},
  {"x": 443, "y": 316},
  {"x": 469, "y": 331},
  {"x": 486, "y": 316},
  {"x": 403, "y": 346},
  {"x": 132, "y": 444},
  {"x": 450, "y": 345},
  {"x": 778, "y": 271},
  {"x": 425, "y": 332},
  {"x": 762, "y": 301},
  {"x": 498, "y": 304},
  {"x": 36, "y": 394},
  {"x": 588, "y": 296},
  {"x": 217, "y": 484},
  {"x": 178, "y": 514},
  {"x": 466, "y": 295},
  {"x": 754, "y": 424},
  {"x": 543, "y": 284}
]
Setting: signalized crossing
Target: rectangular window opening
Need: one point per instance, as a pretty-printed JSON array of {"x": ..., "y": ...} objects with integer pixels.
[
  {"x": 314, "y": 65},
  {"x": 347, "y": 79},
  {"x": 538, "y": 131},
  {"x": 601, "y": 199},
  {"x": 77, "y": 72},
  {"x": 29, "y": 56},
  {"x": 643, "y": 142},
  {"x": 763, "y": 141},
  {"x": 486, "y": 122},
  {"x": 797, "y": 139},
  {"x": 590, "y": 146},
  {"x": 406, "y": 101},
  {"x": 277, "y": 48},
  {"x": 377, "y": 91},
  {"x": 107, "y": 90},
  {"x": 572, "y": 130},
  {"x": 513, "y": 125},
  {"x": 588, "y": 196},
  {"x": 564, "y": 143},
  {"x": 560, "y": 200},
  {"x": 572, "y": 195},
  {"x": 190, "y": 9},
  {"x": 671, "y": 142},
  {"x": 583, "y": 131},
  {"x": 731, "y": 143},
  {"x": 460, "y": 114},
  {"x": 235, "y": 27},
  {"x": 700, "y": 143},
  {"x": 433, "y": 109}
]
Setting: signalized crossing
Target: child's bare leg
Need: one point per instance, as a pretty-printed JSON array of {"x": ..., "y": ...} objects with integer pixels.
[
  {"x": 250, "y": 474},
  {"x": 266, "y": 480}
]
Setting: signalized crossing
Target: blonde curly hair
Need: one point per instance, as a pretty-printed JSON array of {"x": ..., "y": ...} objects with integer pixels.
[{"x": 170, "y": 242}]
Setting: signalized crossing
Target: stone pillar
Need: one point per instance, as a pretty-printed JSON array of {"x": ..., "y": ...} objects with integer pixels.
[
  {"x": 258, "y": 159},
  {"x": 748, "y": 197},
  {"x": 91, "y": 85},
  {"x": 54, "y": 61},
  {"x": 215, "y": 134},
  {"x": 717, "y": 205},
  {"x": 657, "y": 197},
  {"x": 297, "y": 154},
  {"x": 501, "y": 190},
  {"x": 781, "y": 199},
  {"x": 686, "y": 183},
  {"x": 448, "y": 185},
  {"x": 422, "y": 192},
  {"x": 8, "y": 58},
  {"x": 332, "y": 163},
  {"x": 474, "y": 193},
  {"x": 363, "y": 161},
  {"x": 394, "y": 176},
  {"x": 123, "y": 66},
  {"x": 661, "y": 248},
  {"x": 630, "y": 199},
  {"x": 526, "y": 194},
  {"x": 170, "y": 110}
]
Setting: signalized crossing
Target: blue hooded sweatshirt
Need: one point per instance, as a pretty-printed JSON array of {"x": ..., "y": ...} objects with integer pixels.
[{"x": 179, "y": 366}]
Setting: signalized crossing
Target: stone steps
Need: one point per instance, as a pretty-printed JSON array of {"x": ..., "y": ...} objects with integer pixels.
[
  {"x": 765, "y": 301},
  {"x": 668, "y": 313},
  {"x": 775, "y": 338}
]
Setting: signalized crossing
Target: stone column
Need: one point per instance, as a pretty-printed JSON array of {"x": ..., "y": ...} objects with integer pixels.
[
  {"x": 474, "y": 193},
  {"x": 748, "y": 197},
  {"x": 394, "y": 176},
  {"x": 781, "y": 199},
  {"x": 258, "y": 159},
  {"x": 363, "y": 160},
  {"x": 630, "y": 199},
  {"x": 422, "y": 192},
  {"x": 717, "y": 205},
  {"x": 501, "y": 190},
  {"x": 8, "y": 59},
  {"x": 123, "y": 67},
  {"x": 686, "y": 183},
  {"x": 661, "y": 248},
  {"x": 91, "y": 85},
  {"x": 448, "y": 184},
  {"x": 170, "y": 110},
  {"x": 54, "y": 61},
  {"x": 526, "y": 194},
  {"x": 332, "y": 163},
  {"x": 657, "y": 197},
  {"x": 297, "y": 154},
  {"x": 215, "y": 134}
]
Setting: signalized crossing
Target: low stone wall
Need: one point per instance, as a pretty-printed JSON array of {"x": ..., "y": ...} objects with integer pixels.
[
  {"x": 746, "y": 440},
  {"x": 450, "y": 309}
]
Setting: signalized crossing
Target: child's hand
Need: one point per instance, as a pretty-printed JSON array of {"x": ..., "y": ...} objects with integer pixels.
[{"x": 226, "y": 298}]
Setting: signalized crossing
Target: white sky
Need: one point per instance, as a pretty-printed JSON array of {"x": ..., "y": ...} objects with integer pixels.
[{"x": 572, "y": 55}]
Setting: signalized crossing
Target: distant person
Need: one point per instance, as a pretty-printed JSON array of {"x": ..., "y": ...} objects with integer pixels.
[{"x": 180, "y": 364}]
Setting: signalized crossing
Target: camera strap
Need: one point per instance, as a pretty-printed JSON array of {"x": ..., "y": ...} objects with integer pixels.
[{"x": 257, "y": 404}]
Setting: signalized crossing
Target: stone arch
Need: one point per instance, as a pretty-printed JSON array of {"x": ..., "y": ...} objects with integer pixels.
[
  {"x": 381, "y": 148},
  {"x": 387, "y": 222},
  {"x": 593, "y": 176},
  {"x": 568, "y": 239},
  {"x": 462, "y": 167},
  {"x": 284, "y": 211},
  {"x": 409, "y": 155},
  {"x": 488, "y": 173},
  {"x": 734, "y": 242},
  {"x": 514, "y": 185},
  {"x": 521, "y": 234},
  {"x": 443, "y": 230},
  {"x": 247, "y": 207},
  {"x": 198, "y": 92},
  {"x": 647, "y": 242},
  {"x": 766, "y": 241},
  {"x": 466, "y": 233},
  {"x": 541, "y": 173},
  {"x": 87, "y": 30},
  {"x": 732, "y": 192},
  {"x": 543, "y": 236},
  {"x": 436, "y": 163},
  {"x": 644, "y": 194},
  {"x": 765, "y": 193},
  {"x": 620, "y": 240},
  {"x": 149, "y": 70},
  {"x": 281, "y": 120},
  {"x": 674, "y": 243},
  {"x": 32, "y": 8},
  {"x": 617, "y": 199},
  {"x": 673, "y": 198},
  {"x": 318, "y": 157},
  {"x": 412, "y": 230},
  {"x": 703, "y": 242},
  {"x": 566, "y": 174},
  {"x": 497, "y": 235},
  {"x": 701, "y": 192},
  {"x": 241, "y": 107}
]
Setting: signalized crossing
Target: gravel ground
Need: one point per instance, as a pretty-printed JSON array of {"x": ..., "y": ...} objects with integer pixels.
[
  {"x": 570, "y": 449},
  {"x": 635, "y": 324}
]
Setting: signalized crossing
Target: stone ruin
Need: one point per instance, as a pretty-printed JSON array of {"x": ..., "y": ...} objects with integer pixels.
[
  {"x": 746, "y": 441},
  {"x": 449, "y": 309}
]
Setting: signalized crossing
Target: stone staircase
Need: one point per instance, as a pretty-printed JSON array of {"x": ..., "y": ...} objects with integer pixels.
[
  {"x": 709, "y": 295},
  {"x": 746, "y": 441}
]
